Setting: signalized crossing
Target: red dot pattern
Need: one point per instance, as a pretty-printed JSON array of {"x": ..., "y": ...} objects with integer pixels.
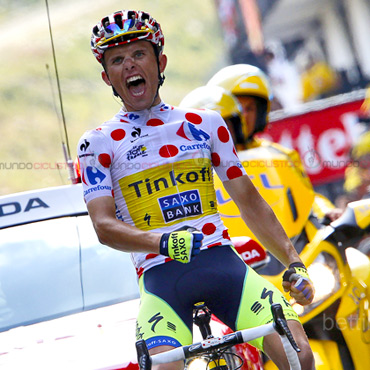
[
  {"x": 234, "y": 172},
  {"x": 150, "y": 256},
  {"x": 208, "y": 229},
  {"x": 216, "y": 160},
  {"x": 155, "y": 122},
  {"x": 194, "y": 118},
  {"x": 118, "y": 134},
  {"x": 223, "y": 134},
  {"x": 225, "y": 234},
  {"x": 167, "y": 151},
  {"x": 105, "y": 160},
  {"x": 139, "y": 271}
]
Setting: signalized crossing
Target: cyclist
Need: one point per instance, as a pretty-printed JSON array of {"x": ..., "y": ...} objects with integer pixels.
[
  {"x": 147, "y": 180},
  {"x": 251, "y": 87},
  {"x": 357, "y": 175}
]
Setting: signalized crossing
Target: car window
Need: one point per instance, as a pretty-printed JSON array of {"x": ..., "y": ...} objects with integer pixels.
[
  {"x": 57, "y": 267},
  {"x": 108, "y": 275},
  {"x": 39, "y": 272}
]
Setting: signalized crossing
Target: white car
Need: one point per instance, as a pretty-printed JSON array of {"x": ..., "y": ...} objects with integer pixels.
[{"x": 66, "y": 301}]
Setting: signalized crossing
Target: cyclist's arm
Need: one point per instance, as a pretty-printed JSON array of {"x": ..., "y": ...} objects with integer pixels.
[
  {"x": 117, "y": 234},
  {"x": 260, "y": 218}
]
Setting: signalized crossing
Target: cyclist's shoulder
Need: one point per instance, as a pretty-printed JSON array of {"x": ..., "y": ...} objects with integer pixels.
[{"x": 101, "y": 134}]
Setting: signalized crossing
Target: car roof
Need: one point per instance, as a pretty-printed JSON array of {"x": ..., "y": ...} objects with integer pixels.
[{"x": 41, "y": 204}]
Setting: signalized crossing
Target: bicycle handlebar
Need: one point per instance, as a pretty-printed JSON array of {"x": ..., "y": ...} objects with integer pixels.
[{"x": 279, "y": 325}]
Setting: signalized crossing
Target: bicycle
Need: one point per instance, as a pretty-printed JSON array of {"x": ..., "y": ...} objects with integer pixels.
[{"x": 214, "y": 349}]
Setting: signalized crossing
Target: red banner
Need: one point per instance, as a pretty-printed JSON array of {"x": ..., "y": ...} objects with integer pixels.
[{"x": 323, "y": 136}]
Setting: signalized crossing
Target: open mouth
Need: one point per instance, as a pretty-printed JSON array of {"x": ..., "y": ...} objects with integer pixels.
[{"x": 136, "y": 85}]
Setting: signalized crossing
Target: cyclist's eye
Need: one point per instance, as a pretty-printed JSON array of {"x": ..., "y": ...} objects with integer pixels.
[
  {"x": 139, "y": 54},
  {"x": 116, "y": 60}
]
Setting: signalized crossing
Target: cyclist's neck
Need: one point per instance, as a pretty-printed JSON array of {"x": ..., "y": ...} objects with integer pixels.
[{"x": 154, "y": 107}]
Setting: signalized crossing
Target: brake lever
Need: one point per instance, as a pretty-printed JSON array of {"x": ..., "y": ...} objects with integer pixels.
[
  {"x": 281, "y": 325},
  {"x": 143, "y": 358}
]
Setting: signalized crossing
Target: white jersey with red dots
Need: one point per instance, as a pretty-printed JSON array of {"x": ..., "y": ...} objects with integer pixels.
[{"x": 157, "y": 164}]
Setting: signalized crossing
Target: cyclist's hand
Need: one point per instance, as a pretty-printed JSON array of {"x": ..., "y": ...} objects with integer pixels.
[
  {"x": 298, "y": 283},
  {"x": 181, "y": 245}
]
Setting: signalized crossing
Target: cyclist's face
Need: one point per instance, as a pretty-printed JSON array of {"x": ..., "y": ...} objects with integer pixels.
[
  {"x": 249, "y": 110},
  {"x": 133, "y": 72}
]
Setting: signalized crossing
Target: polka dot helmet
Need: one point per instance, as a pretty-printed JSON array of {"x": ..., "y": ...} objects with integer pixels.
[{"x": 123, "y": 27}]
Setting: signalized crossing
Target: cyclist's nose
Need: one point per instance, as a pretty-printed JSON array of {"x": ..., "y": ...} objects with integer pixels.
[{"x": 129, "y": 63}]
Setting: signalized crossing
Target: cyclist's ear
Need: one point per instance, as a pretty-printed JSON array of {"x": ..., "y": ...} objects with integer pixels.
[
  {"x": 162, "y": 62},
  {"x": 105, "y": 78}
]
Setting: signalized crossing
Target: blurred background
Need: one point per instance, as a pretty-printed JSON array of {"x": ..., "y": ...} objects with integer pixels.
[{"x": 311, "y": 49}]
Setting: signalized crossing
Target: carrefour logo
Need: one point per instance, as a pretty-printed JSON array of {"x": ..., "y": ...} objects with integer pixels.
[
  {"x": 181, "y": 205},
  {"x": 94, "y": 175},
  {"x": 185, "y": 148},
  {"x": 189, "y": 132}
]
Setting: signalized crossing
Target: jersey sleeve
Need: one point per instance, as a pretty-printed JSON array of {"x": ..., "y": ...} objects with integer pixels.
[
  {"x": 224, "y": 157},
  {"x": 95, "y": 159}
]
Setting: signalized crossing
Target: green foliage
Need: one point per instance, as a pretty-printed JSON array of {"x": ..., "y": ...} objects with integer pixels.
[{"x": 31, "y": 152}]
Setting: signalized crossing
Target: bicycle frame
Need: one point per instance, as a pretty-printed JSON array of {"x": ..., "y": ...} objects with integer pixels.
[{"x": 210, "y": 345}]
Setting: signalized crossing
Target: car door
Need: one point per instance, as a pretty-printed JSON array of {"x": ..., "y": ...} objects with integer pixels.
[
  {"x": 39, "y": 272},
  {"x": 108, "y": 275}
]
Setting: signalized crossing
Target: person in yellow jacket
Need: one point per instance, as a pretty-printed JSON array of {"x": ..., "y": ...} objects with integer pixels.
[
  {"x": 318, "y": 80},
  {"x": 244, "y": 102},
  {"x": 357, "y": 175}
]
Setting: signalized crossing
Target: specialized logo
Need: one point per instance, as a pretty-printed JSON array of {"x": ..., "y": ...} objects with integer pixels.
[
  {"x": 267, "y": 294},
  {"x": 147, "y": 218},
  {"x": 189, "y": 132},
  {"x": 181, "y": 205},
  {"x": 137, "y": 151},
  {"x": 155, "y": 320}
]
